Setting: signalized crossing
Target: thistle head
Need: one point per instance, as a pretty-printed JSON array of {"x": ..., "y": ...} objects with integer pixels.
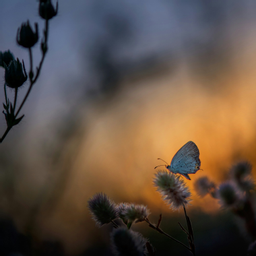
[
  {"x": 15, "y": 74},
  {"x": 173, "y": 189},
  {"x": 25, "y": 35},
  {"x": 46, "y": 9},
  {"x": 6, "y": 58},
  {"x": 103, "y": 210}
]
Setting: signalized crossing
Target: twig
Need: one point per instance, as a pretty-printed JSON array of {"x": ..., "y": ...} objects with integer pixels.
[
  {"x": 183, "y": 228},
  {"x": 15, "y": 98},
  {"x": 5, "y": 133},
  {"x": 162, "y": 232},
  {"x": 5, "y": 94},
  {"x": 159, "y": 221},
  {"x": 114, "y": 224},
  {"x": 31, "y": 64},
  {"x": 190, "y": 232}
]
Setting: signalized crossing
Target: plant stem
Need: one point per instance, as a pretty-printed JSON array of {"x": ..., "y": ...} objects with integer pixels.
[
  {"x": 31, "y": 63},
  {"x": 158, "y": 229},
  {"x": 5, "y": 94},
  {"x": 32, "y": 81},
  {"x": 8, "y": 128},
  {"x": 190, "y": 232},
  {"x": 15, "y": 99},
  {"x": 5, "y": 133},
  {"x": 114, "y": 224},
  {"x": 38, "y": 69}
]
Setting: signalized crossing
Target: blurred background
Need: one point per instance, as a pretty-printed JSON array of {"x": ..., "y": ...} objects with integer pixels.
[{"x": 123, "y": 83}]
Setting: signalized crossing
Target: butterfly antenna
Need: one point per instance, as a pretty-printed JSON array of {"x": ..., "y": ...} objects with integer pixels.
[
  {"x": 162, "y": 160},
  {"x": 160, "y": 165}
]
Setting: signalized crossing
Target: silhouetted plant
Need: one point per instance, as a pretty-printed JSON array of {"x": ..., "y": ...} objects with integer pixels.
[
  {"x": 236, "y": 194},
  {"x": 124, "y": 240},
  {"x": 15, "y": 71}
]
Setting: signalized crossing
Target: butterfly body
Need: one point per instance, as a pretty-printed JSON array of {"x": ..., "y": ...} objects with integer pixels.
[{"x": 186, "y": 160}]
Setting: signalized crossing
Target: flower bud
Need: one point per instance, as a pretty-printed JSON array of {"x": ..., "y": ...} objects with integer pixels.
[
  {"x": 25, "y": 35},
  {"x": 6, "y": 57},
  {"x": 15, "y": 74},
  {"x": 46, "y": 9}
]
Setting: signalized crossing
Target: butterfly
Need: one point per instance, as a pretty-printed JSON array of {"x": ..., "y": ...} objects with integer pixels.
[{"x": 186, "y": 161}]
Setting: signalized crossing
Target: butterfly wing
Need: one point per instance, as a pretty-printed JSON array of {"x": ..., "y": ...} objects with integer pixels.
[{"x": 186, "y": 160}]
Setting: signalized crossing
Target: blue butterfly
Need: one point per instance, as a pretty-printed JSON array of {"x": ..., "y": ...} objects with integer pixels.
[{"x": 185, "y": 161}]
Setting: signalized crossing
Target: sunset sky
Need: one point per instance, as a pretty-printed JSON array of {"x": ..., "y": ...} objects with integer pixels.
[{"x": 123, "y": 83}]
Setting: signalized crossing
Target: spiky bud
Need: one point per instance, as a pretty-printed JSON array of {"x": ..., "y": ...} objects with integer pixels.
[
  {"x": 103, "y": 210},
  {"x": 6, "y": 58},
  {"x": 15, "y": 74},
  {"x": 46, "y": 9},
  {"x": 25, "y": 35}
]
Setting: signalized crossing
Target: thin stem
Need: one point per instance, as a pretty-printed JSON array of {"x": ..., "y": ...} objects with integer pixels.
[
  {"x": 5, "y": 94},
  {"x": 114, "y": 224},
  {"x": 185, "y": 212},
  {"x": 15, "y": 99},
  {"x": 31, "y": 63},
  {"x": 159, "y": 221},
  {"x": 46, "y": 30},
  {"x": 5, "y": 133},
  {"x": 162, "y": 232},
  {"x": 183, "y": 228},
  {"x": 24, "y": 100},
  {"x": 190, "y": 232}
]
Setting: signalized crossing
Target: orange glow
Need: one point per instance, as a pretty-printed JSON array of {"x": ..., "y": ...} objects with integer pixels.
[{"x": 125, "y": 137}]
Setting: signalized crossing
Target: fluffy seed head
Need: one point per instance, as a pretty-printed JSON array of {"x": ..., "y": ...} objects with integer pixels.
[
  {"x": 132, "y": 212},
  {"x": 228, "y": 194},
  {"x": 241, "y": 175},
  {"x": 203, "y": 186},
  {"x": 103, "y": 210},
  {"x": 241, "y": 170},
  {"x": 173, "y": 189},
  {"x": 121, "y": 209},
  {"x": 128, "y": 243}
]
